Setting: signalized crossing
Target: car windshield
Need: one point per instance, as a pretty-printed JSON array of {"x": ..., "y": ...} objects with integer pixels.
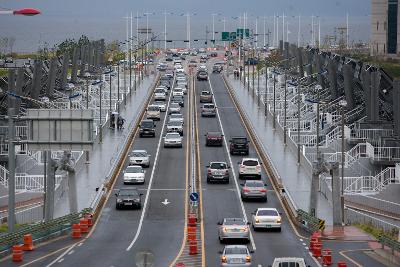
[
  {"x": 289, "y": 264},
  {"x": 148, "y": 124},
  {"x": 176, "y": 116},
  {"x": 250, "y": 162},
  {"x": 254, "y": 184},
  {"x": 208, "y": 106},
  {"x": 139, "y": 154},
  {"x": 127, "y": 192},
  {"x": 234, "y": 221},
  {"x": 240, "y": 140},
  {"x": 175, "y": 123},
  {"x": 173, "y": 135},
  {"x": 235, "y": 250},
  {"x": 159, "y": 91},
  {"x": 267, "y": 213},
  {"x": 218, "y": 165},
  {"x": 214, "y": 134},
  {"x": 178, "y": 98},
  {"x": 178, "y": 90},
  {"x": 202, "y": 72},
  {"x": 174, "y": 105},
  {"x": 205, "y": 93},
  {"x": 153, "y": 108},
  {"x": 134, "y": 169},
  {"x": 159, "y": 103}
]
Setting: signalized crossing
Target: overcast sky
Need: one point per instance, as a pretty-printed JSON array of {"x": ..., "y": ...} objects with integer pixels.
[{"x": 104, "y": 18}]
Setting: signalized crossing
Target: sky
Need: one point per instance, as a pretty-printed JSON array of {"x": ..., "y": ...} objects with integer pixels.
[{"x": 104, "y": 18}]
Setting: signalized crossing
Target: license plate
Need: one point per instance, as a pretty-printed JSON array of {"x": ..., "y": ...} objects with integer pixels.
[
  {"x": 128, "y": 203},
  {"x": 236, "y": 260},
  {"x": 268, "y": 226}
]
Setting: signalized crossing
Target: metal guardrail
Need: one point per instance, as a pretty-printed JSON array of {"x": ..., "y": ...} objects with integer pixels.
[
  {"x": 41, "y": 229},
  {"x": 386, "y": 241}
]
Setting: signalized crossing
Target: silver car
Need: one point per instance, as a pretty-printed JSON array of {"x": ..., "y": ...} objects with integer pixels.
[
  {"x": 236, "y": 256},
  {"x": 139, "y": 157},
  {"x": 174, "y": 108},
  {"x": 208, "y": 110},
  {"x": 254, "y": 190},
  {"x": 175, "y": 127},
  {"x": 233, "y": 228},
  {"x": 218, "y": 171},
  {"x": 134, "y": 175},
  {"x": 172, "y": 140},
  {"x": 176, "y": 117}
]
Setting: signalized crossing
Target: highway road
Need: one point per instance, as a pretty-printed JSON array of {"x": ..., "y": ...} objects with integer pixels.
[
  {"x": 119, "y": 235},
  {"x": 223, "y": 200}
]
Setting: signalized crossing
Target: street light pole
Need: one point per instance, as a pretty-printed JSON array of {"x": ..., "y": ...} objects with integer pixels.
[
  {"x": 266, "y": 89},
  {"x": 274, "y": 106},
  {"x": 284, "y": 113},
  {"x": 101, "y": 119},
  {"x": 118, "y": 88},
  {"x": 258, "y": 81},
  {"x": 298, "y": 122},
  {"x": 110, "y": 110},
  {"x": 342, "y": 163},
  {"x": 11, "y": 168}
]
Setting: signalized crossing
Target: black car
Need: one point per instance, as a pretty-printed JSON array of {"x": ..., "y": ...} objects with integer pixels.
[
  {"x": 214, "y": 138},
  {"x": 169, "y": 59},
  {"x": 239, "y": 145},
  {"x": 178, "y": 99},
  {"x": 128, "y": 198},
  {"x": 147, "y": 128}
]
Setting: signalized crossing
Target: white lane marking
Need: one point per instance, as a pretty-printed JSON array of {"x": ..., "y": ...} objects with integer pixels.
[
  {"x": 151, "y": 180},
  {"x": 253, "y": 244},
  {"x": 72, "y": 251},
  {"x": 301, "y": 239},
  {"x": 259, "y": 265},
  {"x": 80, "y": 244},
  {"x": 61, "y": 260},
  {"x": 306, "y": 247},
  {"x": 162, "y": 189},
  {"x": 165, "y": 202},
  {"x": 61, "y": 256},
  {"x": 304, "y": 244}
]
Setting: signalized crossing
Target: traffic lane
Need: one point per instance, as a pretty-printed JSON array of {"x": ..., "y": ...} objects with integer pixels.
[
  {"x": 164, "y": 221},
  {"x": 218, "y": 200},
  {"x": 269, "y": 244},
  {"x": 112, "y": 221}
]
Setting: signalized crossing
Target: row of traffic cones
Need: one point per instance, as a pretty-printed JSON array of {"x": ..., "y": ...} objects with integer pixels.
[
  {"x": 82, "y": 227},
  {"x": 317, "y": 251},
  {"x": 191, "y": 234},
  {"x": 17, "y": 250}
]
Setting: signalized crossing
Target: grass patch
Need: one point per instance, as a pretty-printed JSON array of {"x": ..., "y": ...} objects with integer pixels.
[
  {"x": 376, "y": 232},
  {"x": 4, "y": 227},
  {"x": 3, "y": 72}
]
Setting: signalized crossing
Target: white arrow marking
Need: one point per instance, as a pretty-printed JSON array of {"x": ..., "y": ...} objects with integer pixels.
[{"x": 166, "y": 202}]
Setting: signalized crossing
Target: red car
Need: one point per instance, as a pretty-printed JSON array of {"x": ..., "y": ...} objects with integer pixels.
[{"x": 214, "y": 138}]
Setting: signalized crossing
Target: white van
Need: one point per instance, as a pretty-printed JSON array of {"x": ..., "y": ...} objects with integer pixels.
[{"x": 289, "y": 262}]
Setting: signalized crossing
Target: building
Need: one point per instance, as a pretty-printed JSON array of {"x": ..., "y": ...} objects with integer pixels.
[{"x": 385, "y": 27}]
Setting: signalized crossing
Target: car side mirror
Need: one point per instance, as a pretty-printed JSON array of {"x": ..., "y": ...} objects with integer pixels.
[
  {"x": 248, "y": 223},
  {"x": 251, "y": 251},
  {"x": 208, "y": 166},
  {"x": 238, "y": 162},
  {"x": 229, "y": 167},
  {"x": 280, "y": 213},
  {"x": 265, "y": 185},
  {"x": 116, "y": 194},
  {"x": 219, "y": 223},
  {"x": 141, "y": 194},
  {"x": 220, "y": 252},
  {"x": 242, "y": 184}
]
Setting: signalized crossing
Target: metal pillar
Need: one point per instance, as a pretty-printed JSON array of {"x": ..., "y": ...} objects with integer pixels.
[
  {"x": 101, "y": 119},
  {"x": 336, "y": 214},
  {"x": 124, "y": 82},
  {"x": 118, "y": 88},
  {"x": 285, "y": 113},
  {"x": 348, "y": 85},
  {"x": 298, "y": 122},
  {"x": 110, "y": 109},
  {"x": 266, "y": 90},
  {"x": 314, "y": 188},
  {"x": 300, "y": 61},
  {"x": 258, "y": 82},
  {"x": 253, "y": 74},
  {"x": 130, "y": 72},
  {"x": 332, "y": 70},
  {"x": 11, "y": 170},
  {"x": 342, "y": 165},
  {"x": 50, "y": 187},
  {"x": 274, "y": 106}
]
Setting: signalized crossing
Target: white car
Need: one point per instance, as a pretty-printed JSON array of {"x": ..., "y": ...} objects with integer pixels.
[
  {"x": 153, "y": 112},
  {"x": 172, "y": 140},
  {"x": 267, "y": 218},
  {"x": 236, "y": 255},
  {"x": 139, "y": 157},
  {"x": 159, "y": 94},
  {"x": 134, "y": 175},
  {"x": 184, "y": 90},
  {"x": 180, "y": 70},
  {"x": 174, "y": 108},
  {"x": 177, "y": 91},
  {"x": 250, "y": 167},
  {"x": 181, "y": 83},
  {"x": 289, "y": 261},
  {"x": 161, "y": 105},
  {"x": 176, "y": 117}
]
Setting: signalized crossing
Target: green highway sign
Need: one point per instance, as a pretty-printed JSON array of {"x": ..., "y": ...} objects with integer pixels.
[
  {"x": 240, "y": 32},
  {"x": 233, "y": 36},
  {"x": 225, "y": 36}
]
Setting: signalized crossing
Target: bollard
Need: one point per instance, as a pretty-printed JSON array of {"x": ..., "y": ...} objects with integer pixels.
[
  {"x": 191, "y": 231},
  {"x": 84, "y": 225},
  {"x": 179, "y": 264},
  {"x": 89, "y": 217},
  {"x": 28, "y": 243},
  {"x": 76, "y": 230},
  {"x": 327, "y": 257},
  {"x": 17, "y": 253},
  {"x": 193, "y": 248},
  {"x": 313, "y": 241},
  {"x": 341, "y": 264},
  {"x": 192, "y": 219},
  {"x": 317, "y": 250}
]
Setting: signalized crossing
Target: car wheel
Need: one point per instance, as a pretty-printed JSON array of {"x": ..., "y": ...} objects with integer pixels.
[
  {"x": 259, "y": 177},
  {"x": 208, "y": 180},
  {"x": 117, "y": 206},
  {"x": 227, "y": 181},
  {"x": 254, "y": 228},
  {"x": 243, "y": 198},
  {"x": 265, "y": 199},
  {"x": 279, "y": 229},
  {"x": 240, "y": 176}
]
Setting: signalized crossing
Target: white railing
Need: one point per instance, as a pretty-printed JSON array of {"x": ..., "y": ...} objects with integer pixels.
[
  {"x": 305, "y": 139},
  {"x": 370, "y": 134},
  {"x": 383, "y": 153},
  {"x": 20, "y": 131}
]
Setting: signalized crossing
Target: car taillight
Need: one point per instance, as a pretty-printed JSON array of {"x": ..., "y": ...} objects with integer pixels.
[
  {"x": 248, "y": 259},
  {"x": 246, "y": 189},
  {"x": 263, "y": 190},
  {"x": 258, "y": 168},
  {"x": 208, "y": 171},
  {"x": 223, "y": 259}
]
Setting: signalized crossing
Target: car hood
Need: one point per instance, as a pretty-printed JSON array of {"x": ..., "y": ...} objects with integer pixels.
[
  {"x": 133, "y": 175},
  {"x": 138, "y": 158},
  {"x": 173, "y": 139}
]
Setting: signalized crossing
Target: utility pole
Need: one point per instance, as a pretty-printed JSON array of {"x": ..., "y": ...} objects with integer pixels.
[{"x": 11, "y": 169}]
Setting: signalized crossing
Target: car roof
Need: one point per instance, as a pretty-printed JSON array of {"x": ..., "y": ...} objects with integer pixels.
[
  {"x": 128, "y": 189},
  {"x": 267, "y": 209},
  {"x": 235, "y": 246},
  {"x": 234, "y": 219},
  {"x": 219, "y": 162},
  {"x": 237, "y": 137},
  {"x": 250, "y": 159},
  {"x": 214, "y": 133},
  {"x": 139, "y": 150},
  {"x": 134, "y": 167}
]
